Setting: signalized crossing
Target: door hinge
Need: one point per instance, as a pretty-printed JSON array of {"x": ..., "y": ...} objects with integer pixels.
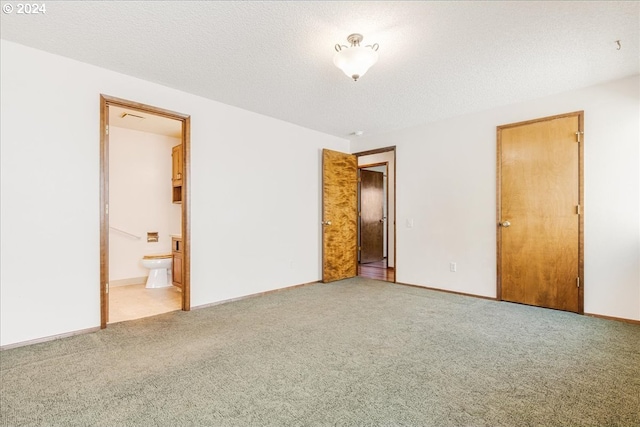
[
  {"x": 107, "y": 288},
  {"x": 578, "y": 134},
  {"x": 578, "y": 209},
  {"x": 106, "y": 129},
  {"x": 360, "y": 248},
  {"x": 106, "y": 209},
  {"x": 578, "y": 281}
]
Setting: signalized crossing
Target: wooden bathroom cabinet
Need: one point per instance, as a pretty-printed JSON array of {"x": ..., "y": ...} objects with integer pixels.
[
  {"x": 176, "y": 265},
  {"x": 176, "y": 173},
  {"x": 176, "y": 154}
]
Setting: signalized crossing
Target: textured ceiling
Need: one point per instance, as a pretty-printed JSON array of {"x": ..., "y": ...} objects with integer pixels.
[{"x": 436, "y": 59}]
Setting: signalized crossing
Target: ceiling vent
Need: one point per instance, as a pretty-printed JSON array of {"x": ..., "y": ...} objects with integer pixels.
[{"x": 133, "y": 117}]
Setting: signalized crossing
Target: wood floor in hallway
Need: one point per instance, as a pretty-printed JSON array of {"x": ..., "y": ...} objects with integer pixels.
[{"x": 377, "y": 270}]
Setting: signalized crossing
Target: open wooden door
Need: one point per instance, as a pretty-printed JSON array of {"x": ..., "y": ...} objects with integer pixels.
[
  {"x": 371, "y": 216},
  {"x": 540, "y": 249},
  {"x": 339, "y": 215}
]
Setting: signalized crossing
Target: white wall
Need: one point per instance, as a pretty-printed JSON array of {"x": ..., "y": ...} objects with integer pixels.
[
  {"x": 140, "y": 192},
  {"x": 255, "y": 205},
  {"x": 446, "y": 184},
  {"x": 391, "y": 214}
]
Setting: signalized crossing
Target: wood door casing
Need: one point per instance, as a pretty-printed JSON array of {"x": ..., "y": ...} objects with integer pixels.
[
  {"x": 105, "y": 102},
  {"x": 339, "y": 215},
  {"x": 104, "y": 213},
  {"x": 540, "y": 189},
  {"x": 371, "y": 216}
]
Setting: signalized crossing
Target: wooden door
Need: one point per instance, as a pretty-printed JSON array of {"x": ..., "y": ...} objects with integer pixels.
[
  {"x": 371, "y": 216},
  {"x": 339, "y": 215},
  {"x": 539, "y": 197}
]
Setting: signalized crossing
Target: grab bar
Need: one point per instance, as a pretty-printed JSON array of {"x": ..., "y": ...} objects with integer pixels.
[{"x": 125, "y": 233}]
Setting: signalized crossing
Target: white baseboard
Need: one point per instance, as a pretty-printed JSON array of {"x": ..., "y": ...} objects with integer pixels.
[
  {"x": 49, "y": 338},
  {"x": 213, "y": 304}
]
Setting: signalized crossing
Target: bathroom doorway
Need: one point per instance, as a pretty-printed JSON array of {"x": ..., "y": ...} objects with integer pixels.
[{"x": 146, "y": 143}]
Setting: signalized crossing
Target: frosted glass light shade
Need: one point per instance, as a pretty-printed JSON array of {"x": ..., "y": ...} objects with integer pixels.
[{"x": 355, "y": 60}]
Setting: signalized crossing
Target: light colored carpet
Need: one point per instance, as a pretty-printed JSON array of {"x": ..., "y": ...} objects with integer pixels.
[{"x": 356, "y": 352}]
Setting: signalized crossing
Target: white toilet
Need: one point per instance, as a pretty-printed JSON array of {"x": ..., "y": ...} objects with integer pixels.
[{"x": 159, "y": 270}]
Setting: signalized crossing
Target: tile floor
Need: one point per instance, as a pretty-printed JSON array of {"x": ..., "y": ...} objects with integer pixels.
[{"x": 135, "y": 301}]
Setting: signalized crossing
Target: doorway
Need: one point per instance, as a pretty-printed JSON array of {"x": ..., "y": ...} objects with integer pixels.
[
  {"x": 373, "y": 224},
  {"x": 372, "y": 214},
  {"x": 179, "y": 194},
  {"x": 340, "y": 237},
  {"x": 540, "y": 207},
  {"x": 377, "y": 257}
]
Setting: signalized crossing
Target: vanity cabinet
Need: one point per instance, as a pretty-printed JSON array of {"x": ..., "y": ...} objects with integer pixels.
[
  {"x": 176, "y": 266},
  {"x": 176, "y": 173}
]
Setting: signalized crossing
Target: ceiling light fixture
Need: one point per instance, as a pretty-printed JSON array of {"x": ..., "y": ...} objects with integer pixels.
[{"x": 355, "y": 60}]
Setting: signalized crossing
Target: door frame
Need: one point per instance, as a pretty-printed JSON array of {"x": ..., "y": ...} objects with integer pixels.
[
  {"x": 395, "y": 211},
  {"x": 386, "y": 197},
  {"x": 580, "y": 142},
  {"x": 105, "y": 102}
]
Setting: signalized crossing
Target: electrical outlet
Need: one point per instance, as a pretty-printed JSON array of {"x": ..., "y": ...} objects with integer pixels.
[
  {"x": 410, "y": 223},
  {"x": 452, "y": 267}
]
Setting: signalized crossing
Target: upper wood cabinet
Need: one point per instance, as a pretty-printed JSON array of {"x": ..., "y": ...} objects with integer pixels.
[
  {"x": 176, "y": 173},
  {"x": 176, "y": 154}
]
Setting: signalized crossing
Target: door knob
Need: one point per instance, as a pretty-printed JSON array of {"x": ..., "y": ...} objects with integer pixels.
[
  {"x": 505, "y": 224},
  {"x": 326, "y": 222}
]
